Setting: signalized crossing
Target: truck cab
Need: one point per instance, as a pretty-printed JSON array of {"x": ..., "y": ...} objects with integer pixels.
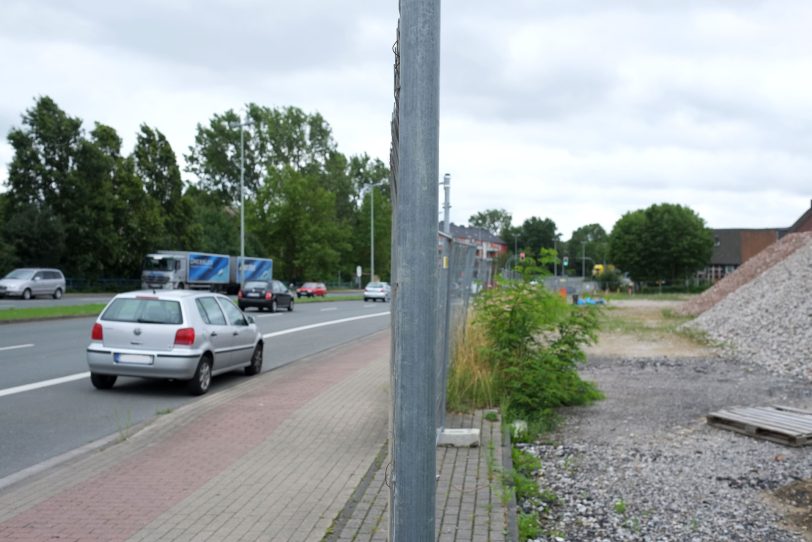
[{"x": 163, "y": 271}]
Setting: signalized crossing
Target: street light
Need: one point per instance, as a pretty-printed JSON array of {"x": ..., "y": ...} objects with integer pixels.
[
  {"x": 241, "y": 125},
  {"x": 371, "y": 188},
  {"x": 447, "y": 203}
]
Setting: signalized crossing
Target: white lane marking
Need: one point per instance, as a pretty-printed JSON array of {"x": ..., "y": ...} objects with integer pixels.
[
  {"x": 330, "y": 323},
  {"x": 79, "y": 376},
  {"x": 16, "y": 347},
  {"x": 43, "y": 384},
  {"x": 330, "y": 309}
]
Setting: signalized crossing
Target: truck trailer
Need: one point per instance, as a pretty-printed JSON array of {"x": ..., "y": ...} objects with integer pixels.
[{"x": 173, "y": 269}]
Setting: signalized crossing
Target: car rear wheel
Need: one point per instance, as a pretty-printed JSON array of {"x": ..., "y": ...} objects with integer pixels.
[
  {"x": 58, "y": 293},
  {"x": 290, "y": 305},
  {"x": 102, "y": 382},
  {"x": 273, "y": 305},
  {"x": 199, "y": 384},
  {"x": 26, "y": 294},
  {"x": 256, "y": 362}
]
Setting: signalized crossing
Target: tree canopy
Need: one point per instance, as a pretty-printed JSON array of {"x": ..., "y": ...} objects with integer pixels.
[
  {"x": 494, "y": 220},
  {"x": 75, "y": 200},
  {"x": 663, "y": 242}
]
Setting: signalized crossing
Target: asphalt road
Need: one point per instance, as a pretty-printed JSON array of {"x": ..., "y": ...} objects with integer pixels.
[
  {"x": 86, "y": 299},
  {"x": 48, "y": 406}
]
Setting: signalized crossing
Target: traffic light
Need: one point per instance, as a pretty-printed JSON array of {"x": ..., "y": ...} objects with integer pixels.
[{"x": 566, "y": 261}]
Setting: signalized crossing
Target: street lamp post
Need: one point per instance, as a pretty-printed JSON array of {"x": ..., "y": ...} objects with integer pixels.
[
  {"x": 372, "y": 233},
  {"x": 371, "y": 187},
  {"x": 242, "y": 125},
  {"x": 583, "y": 260},
  {"x": 447, "y": 203}
]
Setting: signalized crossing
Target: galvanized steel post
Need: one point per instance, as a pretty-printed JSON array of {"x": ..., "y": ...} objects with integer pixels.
[{"x": 413, "y": 452}]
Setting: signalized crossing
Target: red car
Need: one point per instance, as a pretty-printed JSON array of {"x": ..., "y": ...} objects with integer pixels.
[{"x": 311, "y": 289}]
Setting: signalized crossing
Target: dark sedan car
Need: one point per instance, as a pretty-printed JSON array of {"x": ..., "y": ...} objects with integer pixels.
[{"x": 265, "y": 294}]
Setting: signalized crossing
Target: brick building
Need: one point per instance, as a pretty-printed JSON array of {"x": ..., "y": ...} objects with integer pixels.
[{"x": 734, "y": 246}]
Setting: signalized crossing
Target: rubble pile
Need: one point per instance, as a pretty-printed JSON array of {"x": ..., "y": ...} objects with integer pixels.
[
  {"x": 768, "y": 320},
  {"x": 749, "y": 270}
]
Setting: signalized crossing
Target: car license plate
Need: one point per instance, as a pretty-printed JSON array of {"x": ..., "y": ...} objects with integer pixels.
[
  {"x": 253, "y": 294},
  {"x": 141, "y": 359}
]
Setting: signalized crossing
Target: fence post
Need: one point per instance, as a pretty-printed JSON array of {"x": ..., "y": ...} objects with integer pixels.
[{"x": 413, "y": 452}]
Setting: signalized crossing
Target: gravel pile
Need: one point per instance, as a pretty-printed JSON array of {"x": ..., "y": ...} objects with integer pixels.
[
  {"x": 643, "y": 465},
  {"x": 749, "y": 270},
  {"x": 768, "y": 321}
]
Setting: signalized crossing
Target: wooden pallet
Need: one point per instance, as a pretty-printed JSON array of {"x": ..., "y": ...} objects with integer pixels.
[{"x": 782, "y": 424}]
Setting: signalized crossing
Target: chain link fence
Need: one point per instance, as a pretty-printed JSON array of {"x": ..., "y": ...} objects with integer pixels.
[{"x": 455, "y": 283}]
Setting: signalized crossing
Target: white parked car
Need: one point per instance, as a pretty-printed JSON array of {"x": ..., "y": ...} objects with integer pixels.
[
  {"x": 377, "y": 290},
  {"x": 177, "y": 334}
]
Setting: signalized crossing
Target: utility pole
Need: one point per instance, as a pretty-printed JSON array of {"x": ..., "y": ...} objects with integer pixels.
[
  {"x": 447, "y": 204},
  {"x": 372, "y": 233},
  {"x": 555, "y": 260},
  {"x": 583, "y": 259},
  {"x": 242, "y": 124},
  {"x": 414, "y": 329}
]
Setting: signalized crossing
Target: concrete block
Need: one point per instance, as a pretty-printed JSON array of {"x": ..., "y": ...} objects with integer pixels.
[{"x": 459, "y": 438}]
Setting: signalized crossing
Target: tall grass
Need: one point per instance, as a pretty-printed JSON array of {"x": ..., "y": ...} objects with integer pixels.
[{"x": 471, "y": 380}]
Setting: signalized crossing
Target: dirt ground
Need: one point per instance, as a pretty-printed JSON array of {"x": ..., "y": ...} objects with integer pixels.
[
  {"x": 646, "y": 333},
  {"x": 651, "y": 340}
]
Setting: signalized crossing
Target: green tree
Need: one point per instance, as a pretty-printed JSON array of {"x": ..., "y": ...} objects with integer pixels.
[
  {"x": 157, "y": 168},
  {"x": 274, "y": 139},
  {"x": 494, "y": 220},
  {"x": 45, "y": 150},
  {"x": 537, "y": 234},
  {"x": 85, "y": 205},
  {"x": 300, "y": 230},
  {"x": 588, "y": 245},
  {"x": 364, "y": 172},
  {"x": 663, "y": 242}
]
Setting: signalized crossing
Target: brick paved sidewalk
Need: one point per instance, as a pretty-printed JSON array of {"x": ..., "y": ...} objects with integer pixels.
[
  {"x": 294, "y": 454},
  {"x": 275, "y": 458},
  {"x": 471, "y": 502}
]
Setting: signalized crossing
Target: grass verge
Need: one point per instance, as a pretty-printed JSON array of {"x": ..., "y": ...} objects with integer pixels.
[{"x": 39, "y": 313}]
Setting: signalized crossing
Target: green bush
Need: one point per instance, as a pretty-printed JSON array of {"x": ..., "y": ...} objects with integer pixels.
[{"x": 534, "y": 345}]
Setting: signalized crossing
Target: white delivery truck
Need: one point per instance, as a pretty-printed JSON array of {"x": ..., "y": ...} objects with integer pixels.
[{"x": 172, "y": 269}]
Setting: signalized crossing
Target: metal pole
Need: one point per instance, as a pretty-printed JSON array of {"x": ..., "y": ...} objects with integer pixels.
[
  {"x": 242, "y": 202},
  {"x": 555, "y": 261},
  {"x": 414, "y": 329},
  {"x": 371, "y": 233},
  {"x": 447, "y": 203},
  {"x": 583, "y": 259}
]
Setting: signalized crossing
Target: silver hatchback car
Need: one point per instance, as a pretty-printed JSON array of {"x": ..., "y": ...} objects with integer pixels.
[{"x": 177, "y": 334}]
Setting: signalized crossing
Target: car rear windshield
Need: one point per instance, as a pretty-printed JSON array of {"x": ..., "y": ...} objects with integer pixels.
[
  {"x": 256, "y": 284},
  {"x": 144, "y": 311},
  {"x": 375, "y": 285}
]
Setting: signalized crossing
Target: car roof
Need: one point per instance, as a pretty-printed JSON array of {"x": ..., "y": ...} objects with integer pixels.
[{"x": 166, "y": 294}]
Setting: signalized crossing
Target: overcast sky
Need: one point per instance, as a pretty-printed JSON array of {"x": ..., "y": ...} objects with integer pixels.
[{"x": 577, "y": 111}]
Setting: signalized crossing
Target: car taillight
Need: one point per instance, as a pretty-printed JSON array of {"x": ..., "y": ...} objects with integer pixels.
[
  {"x": 97, "y": 334},
  {"x": 185, "y": 336},
  {"x": 239, "y": 294},
  {"x": 268, "y": 296}
]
